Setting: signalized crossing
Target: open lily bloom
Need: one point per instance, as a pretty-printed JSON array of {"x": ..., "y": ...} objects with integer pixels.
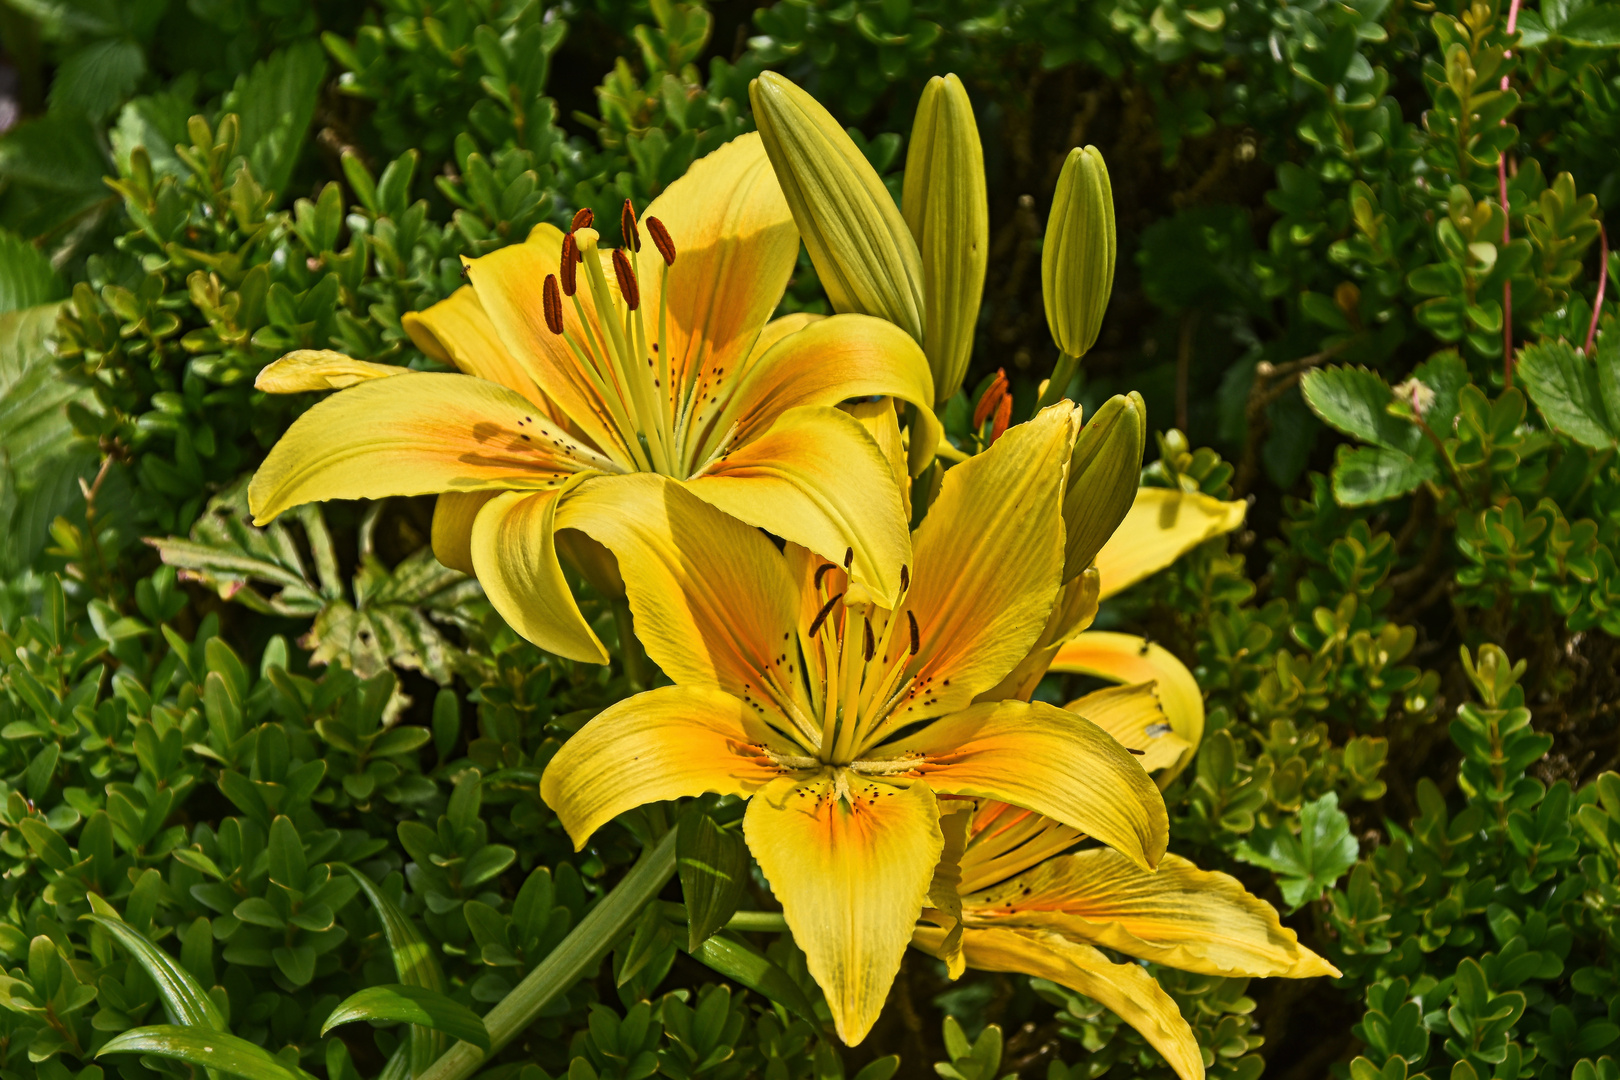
[
  {"x": 845, "y": 721},
  {"x": 582, "y": 371},
  {"x": 1027, "y": 908},
  {"x": 1168, "y": 743}
]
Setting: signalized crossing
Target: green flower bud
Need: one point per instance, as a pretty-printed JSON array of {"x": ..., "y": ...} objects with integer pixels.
[
  {"x": 945, "y": 205},
  {"x": 1077, "y": 260},
  {"x": 1104, "y": 472},
  {"x": 858, "y": 241}
]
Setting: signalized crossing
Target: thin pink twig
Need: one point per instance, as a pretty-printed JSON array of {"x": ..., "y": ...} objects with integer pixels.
[
  {"x": 1502, "y": 192},
  {"x": 1603, "y": 279}
]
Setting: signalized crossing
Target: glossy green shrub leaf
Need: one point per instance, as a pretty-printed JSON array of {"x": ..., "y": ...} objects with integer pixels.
[
  {"x": 413, "y": 1004},
  {"x": 1310, "y": 862}
]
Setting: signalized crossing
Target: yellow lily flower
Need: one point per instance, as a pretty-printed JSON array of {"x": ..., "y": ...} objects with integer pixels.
[
  {"x": 1168, "y": 746},
  {"x": 1026, "y": 908},
  {"x": 850, "y": 725},
  {"x": 581, "y": 372},
  {"x": 1162, "y": 525}
]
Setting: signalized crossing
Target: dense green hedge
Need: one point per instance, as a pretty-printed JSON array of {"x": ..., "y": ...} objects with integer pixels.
[{"x": 199, "y": 715}]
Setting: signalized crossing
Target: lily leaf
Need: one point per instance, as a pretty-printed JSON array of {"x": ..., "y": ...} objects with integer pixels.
[
  {"x": 713, "y": 866},
  {"x": 737, "y": 961},
  {"x": 185, "y": 1002},
  {"x": 415, "y": 1005},
  {"x": 414, "y": 965},
  {"x": 205, "y": 1048}
]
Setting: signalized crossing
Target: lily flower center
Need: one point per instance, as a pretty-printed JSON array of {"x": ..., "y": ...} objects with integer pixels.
[
  {"x": 659, "y": 406},
  {"x": 850, "y": 681}
]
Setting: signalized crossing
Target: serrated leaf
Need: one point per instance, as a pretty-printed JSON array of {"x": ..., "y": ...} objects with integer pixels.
[
  {"x": 415, "y": 1005},
  {"x": 26, "y": 277},
  {"x": 713, "y": 866},
  {"x": 1311, "y": 862},
  {"x": 1370, "y": 474},
  {"x": 185, "y": 1002},
  {"x": 1598, "y": 26},
  {"x": 96, "y": 78},
  {"x": 276, "y": 102},
  {"x": 205, "y": 1048},
  {"x": 1355, "y": 401},
  {"x": 1566, "y": 388}
]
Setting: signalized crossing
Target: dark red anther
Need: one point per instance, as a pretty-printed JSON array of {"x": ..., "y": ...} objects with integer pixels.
[
  {"x": 905, "y": 579},
  {"x": 870, "y": 646},
  {"x": 821, "y": 572},
  {"x": 916, "y": 637},
  {"x": 627, "y": 227},
  {"x": 1003, "y": 417},
  {"x": 992, "y": 397},
  {"x": 661, "y": 240},
  {"x": 583, "y": 219},
  {"x": 628, "y": 288},
  {"x": 849, "y": 557},
  {"x": 821, "y": 616},
  {"x": 570, "y": 260},
  {"x": 551, "y": 298}
]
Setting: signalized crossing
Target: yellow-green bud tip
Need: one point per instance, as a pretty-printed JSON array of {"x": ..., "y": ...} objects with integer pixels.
[
  {"x": 1077, "y": 258},
  {"x": 1104, "y": 472}
]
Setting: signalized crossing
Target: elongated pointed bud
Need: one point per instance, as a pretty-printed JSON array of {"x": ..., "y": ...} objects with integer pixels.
[
  {"x": 945, "y": 207},
  {"x": 1077, "y": 258},
  {"x": 860, "y": 245},
  {"x": 1104, "y": 472}
]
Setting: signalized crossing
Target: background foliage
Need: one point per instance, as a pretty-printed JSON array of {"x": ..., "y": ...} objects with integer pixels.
[{"x": 1357, "y": 284}]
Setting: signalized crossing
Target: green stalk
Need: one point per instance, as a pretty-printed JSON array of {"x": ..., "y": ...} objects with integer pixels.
[
  {"x": 767, "y": 922},
  {"x": 1062, "y": 374},
  {"x": 578, "y": 955},
  {"x": 635, "y": 661}
]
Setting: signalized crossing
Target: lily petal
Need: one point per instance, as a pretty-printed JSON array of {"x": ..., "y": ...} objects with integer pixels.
[
  {"x": 713, "y": 602},
  {"x": 817, "y": 478},
  {"x": 826, "y": 362},
  {"x": 303, "y": 370},
  {"x": 1126, "y": 989},
  {"x": 1179, "y": 915},
  {"x": 415, "y": 436},
  {"x": 988, "y": 559},
  {"x": 1130, "y": 659},
  {"x": 1161, "y": 527},
  {"x": 666, "y": 743},
  {"x": 453, "y": 515},
  {"x": 735, "y": 245},
  {"x": 1044, "y": 759},
  {"x": 514, "y": 553},
  {"x": 1133, "y": 715},
  {"x": 852, "y": 876},
  {"x": 458, "y": 331},
  {"x": 775, "y": 331},
  {"x": 508, "y": 283}
]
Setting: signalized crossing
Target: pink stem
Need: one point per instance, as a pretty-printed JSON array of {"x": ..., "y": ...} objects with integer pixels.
[
  {"x": 1603, "y": 279},
  {"x": 1502, "y": 191}
]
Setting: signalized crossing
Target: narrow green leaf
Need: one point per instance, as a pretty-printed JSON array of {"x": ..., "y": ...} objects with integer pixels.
[
  {"x": 737, "y": 961},
  {"x": 414, "y": 964},
  {"x": 205, "y": 1048},
  {"x": 184, "y": 1000},
  {"x": 713, "y": 865},
  {"x": 415, "y": 1005}
]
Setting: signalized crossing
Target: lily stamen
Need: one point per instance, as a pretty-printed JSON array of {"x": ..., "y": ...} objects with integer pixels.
[{"x": 821, "y": 616}]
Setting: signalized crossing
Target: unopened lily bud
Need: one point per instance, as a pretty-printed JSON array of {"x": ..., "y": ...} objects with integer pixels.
[
  {"x": 860, "y": 245},
  {"x": 945, "y": 206},
  {"x": 1077, "y": 259},
  {"x": 1104, "y": 472}
]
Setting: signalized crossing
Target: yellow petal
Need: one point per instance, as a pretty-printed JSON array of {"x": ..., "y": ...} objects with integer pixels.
[
  {"x": 851, "y": 876},
  {"x": 456, "y": 330},
  {"x": 509, "y": 286},
  {"x": 320, "y": 369},
  {"x": 1127, "y": 989},
  {"x": 712, "y": 599},
  {"x": 878, "y": 417},
  {"x": 1162, "y": 526},
  {"x": 1129, "y": 659},
  {"x": 944, "y": 891},
  {"x": 1044, "y": 759},
  {"x": 1133, "y": 715},
  {"x": 666, "y": 743},
  {"x": 1076, "y": 607},
  {"x": 775, "y": 331},
  {"x": 818, "y": 479},
  {"x": 828, "y": 361},
  {"x": 1004, "y": 840},
  {"x": 514, "y": 553},
  {"x": 988, "y": 559},
  {"x": 1178, "y": 915},
  {"x": 735, "y": 247},
  {"x": 453, "y": 515},
  {"x": 417, "y": 436}
]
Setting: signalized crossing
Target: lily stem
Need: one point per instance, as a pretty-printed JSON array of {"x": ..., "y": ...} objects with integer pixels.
[
  {"x": 635, "y": 661},
  {"x": 1062, "y": 374},
  {"x": 578, "y": 955},
  {"x": 765, "y": 922}
]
